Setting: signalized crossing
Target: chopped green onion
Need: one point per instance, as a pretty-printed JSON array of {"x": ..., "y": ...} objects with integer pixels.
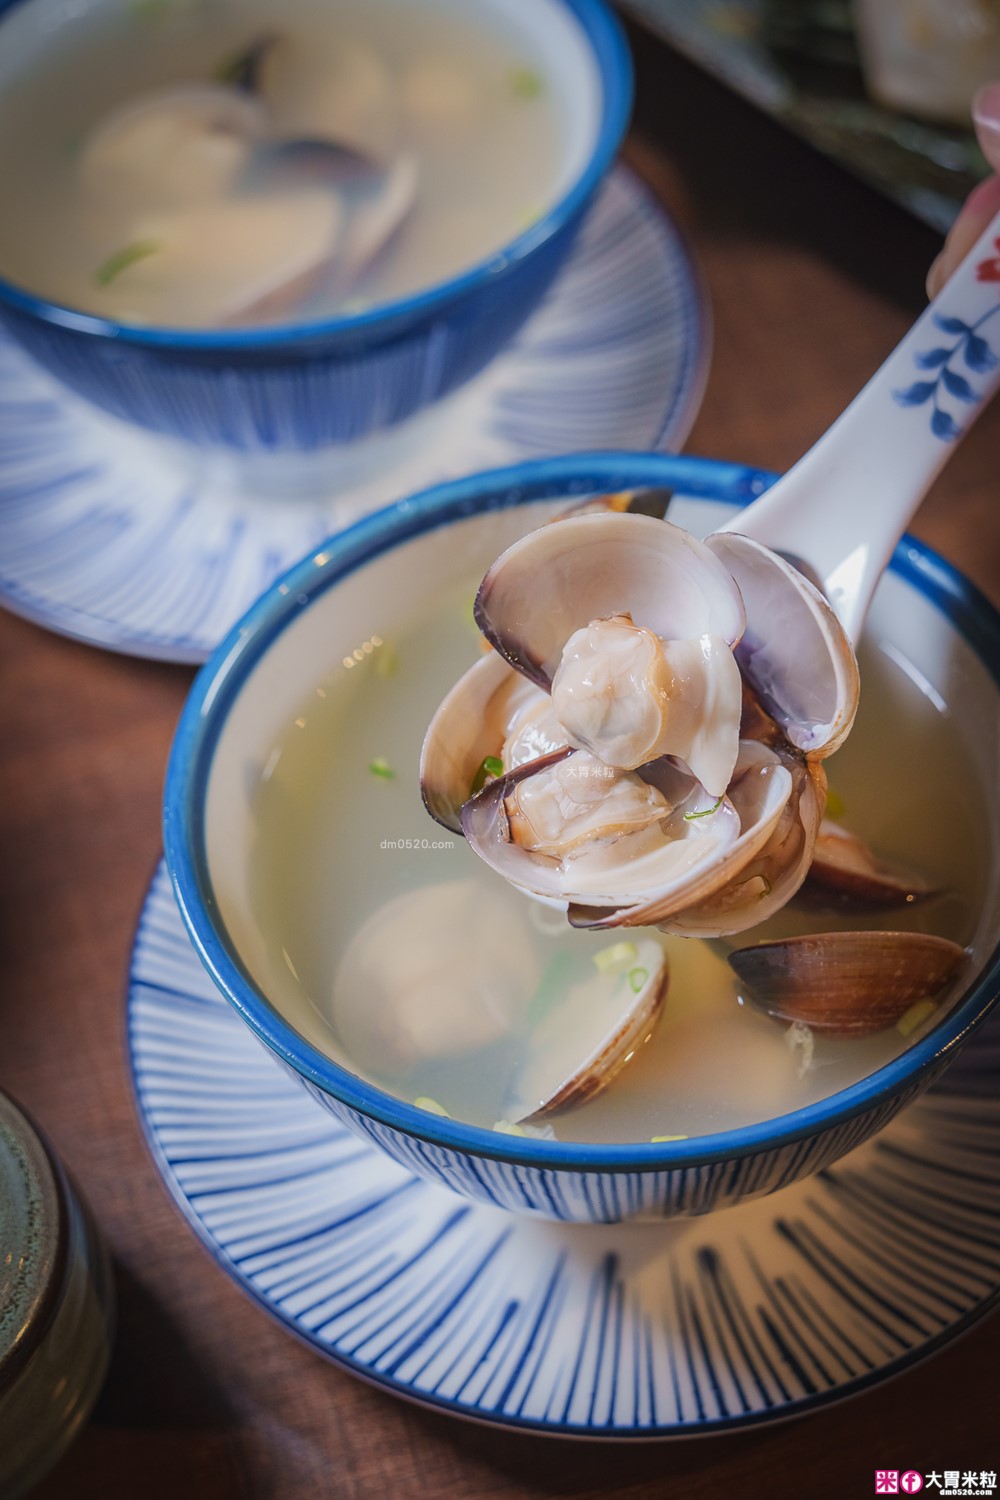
[
  {"x": 834, "y": 804},
  {"x": 526, "y": 83},
  {"x": 505, "y": 1127},
  {"x": 431, "y": 1106},
  {"x": 490, "y": 767},
  {"x": 637, "y": 978},
  {"x": 381, "y": 767},
  {"x": 616, "y": 959},
  {"x": 915, "y": 1016},
  {"x": 654, "y": 1140},
  {"x": 706, "y": 812},
  {"x": 122, "y": 259}
]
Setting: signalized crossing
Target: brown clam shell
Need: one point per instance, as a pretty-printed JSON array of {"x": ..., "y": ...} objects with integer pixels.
[
  {"x": 848, "y": 874},
  {"x": 846, "y": 983}
]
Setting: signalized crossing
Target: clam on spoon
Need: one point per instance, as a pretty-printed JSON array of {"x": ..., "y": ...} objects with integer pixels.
[
  {"x": 840, "y": 512},
  {"x": 837, "y": 517}
]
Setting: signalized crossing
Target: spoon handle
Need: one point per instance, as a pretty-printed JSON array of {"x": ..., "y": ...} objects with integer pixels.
[{"x": 846, "y": 503}]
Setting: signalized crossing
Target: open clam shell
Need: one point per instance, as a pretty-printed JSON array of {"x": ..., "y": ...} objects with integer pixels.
[
  {"x": 558, "y": 579},
  {"x": 233, "y": 259},
  {"x": 758, "y": 797},
  {"x": 471, "y": 724},
  {"x": 847, "y": 873},
  {"x": 175, "y": 146},
  {"x": 588, "y": 1037},
  {"x": 375, "y": 210},
  {"x": 690, "y": 846},
  {"x": 846, "y": 983},
  {"x": 598, "y": 611},
  {"x": 768, "y": 880},
  {"x": 318, "y": 90},
  {"x": 795, "y": 654}
]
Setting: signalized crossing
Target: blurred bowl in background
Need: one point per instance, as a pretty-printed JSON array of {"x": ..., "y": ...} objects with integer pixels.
[{"x": 304, "y": 386}]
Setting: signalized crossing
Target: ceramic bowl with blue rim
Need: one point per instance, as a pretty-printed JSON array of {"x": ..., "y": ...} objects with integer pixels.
[
  {"x": 306, "y": 385},
  {"x": 369, "y": 583}
]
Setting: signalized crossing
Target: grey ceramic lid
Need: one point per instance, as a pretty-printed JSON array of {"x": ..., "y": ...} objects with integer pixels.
[{"x": 32, "y": 1239}]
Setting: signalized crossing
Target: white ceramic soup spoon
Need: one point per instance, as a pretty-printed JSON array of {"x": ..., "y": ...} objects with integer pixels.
[
  {"x": 844, "y": 506},
  {"x": 839, "y": 513}
]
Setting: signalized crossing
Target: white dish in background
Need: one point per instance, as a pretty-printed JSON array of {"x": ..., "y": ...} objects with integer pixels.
[
  {"x": 764, "y": 1311},
  {"x": 117, "y": 538}
]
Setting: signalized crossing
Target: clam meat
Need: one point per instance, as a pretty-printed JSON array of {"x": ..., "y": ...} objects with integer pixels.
[{"x": 625, "y": 779}]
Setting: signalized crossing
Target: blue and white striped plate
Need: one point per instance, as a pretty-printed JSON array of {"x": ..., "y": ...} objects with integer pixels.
[
  {"x": 726, "y": 1321},
  {"x": 107, "y": 534}
]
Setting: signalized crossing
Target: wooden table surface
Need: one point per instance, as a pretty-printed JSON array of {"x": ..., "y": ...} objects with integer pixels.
[{"x": 812, "y": 278}]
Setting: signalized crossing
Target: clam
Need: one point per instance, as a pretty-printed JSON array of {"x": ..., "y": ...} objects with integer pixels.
[
  {"x": 439, "y": 100},
  {"x": 794, "y": 654},
  {"x": 227, "y": 261},
  {"x": 616, "y": 838},
  {"x": 334, "y": 120},
  {"x": 846, "y": 983},
  {"x": 328, "y": 91},
  {"x": 471, "y": 727},
  {"x": 238, "y": 201},
  {"x": 589, "y": 1033},
  {"x": 441, "y": 974},
  {"x": 560, "y": 578},
  {"x": 846, "y": 873},
  {"x": 372, "y": 198},
  {"x": 374, "y": 208},
  {"x": 770, "y": 860},
  {"x": 677, "y": 779},
  {"x": 171, "y": 148}
]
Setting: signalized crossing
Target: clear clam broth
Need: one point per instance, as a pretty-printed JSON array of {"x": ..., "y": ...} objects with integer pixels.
[{"x": 341, "y": 831}]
